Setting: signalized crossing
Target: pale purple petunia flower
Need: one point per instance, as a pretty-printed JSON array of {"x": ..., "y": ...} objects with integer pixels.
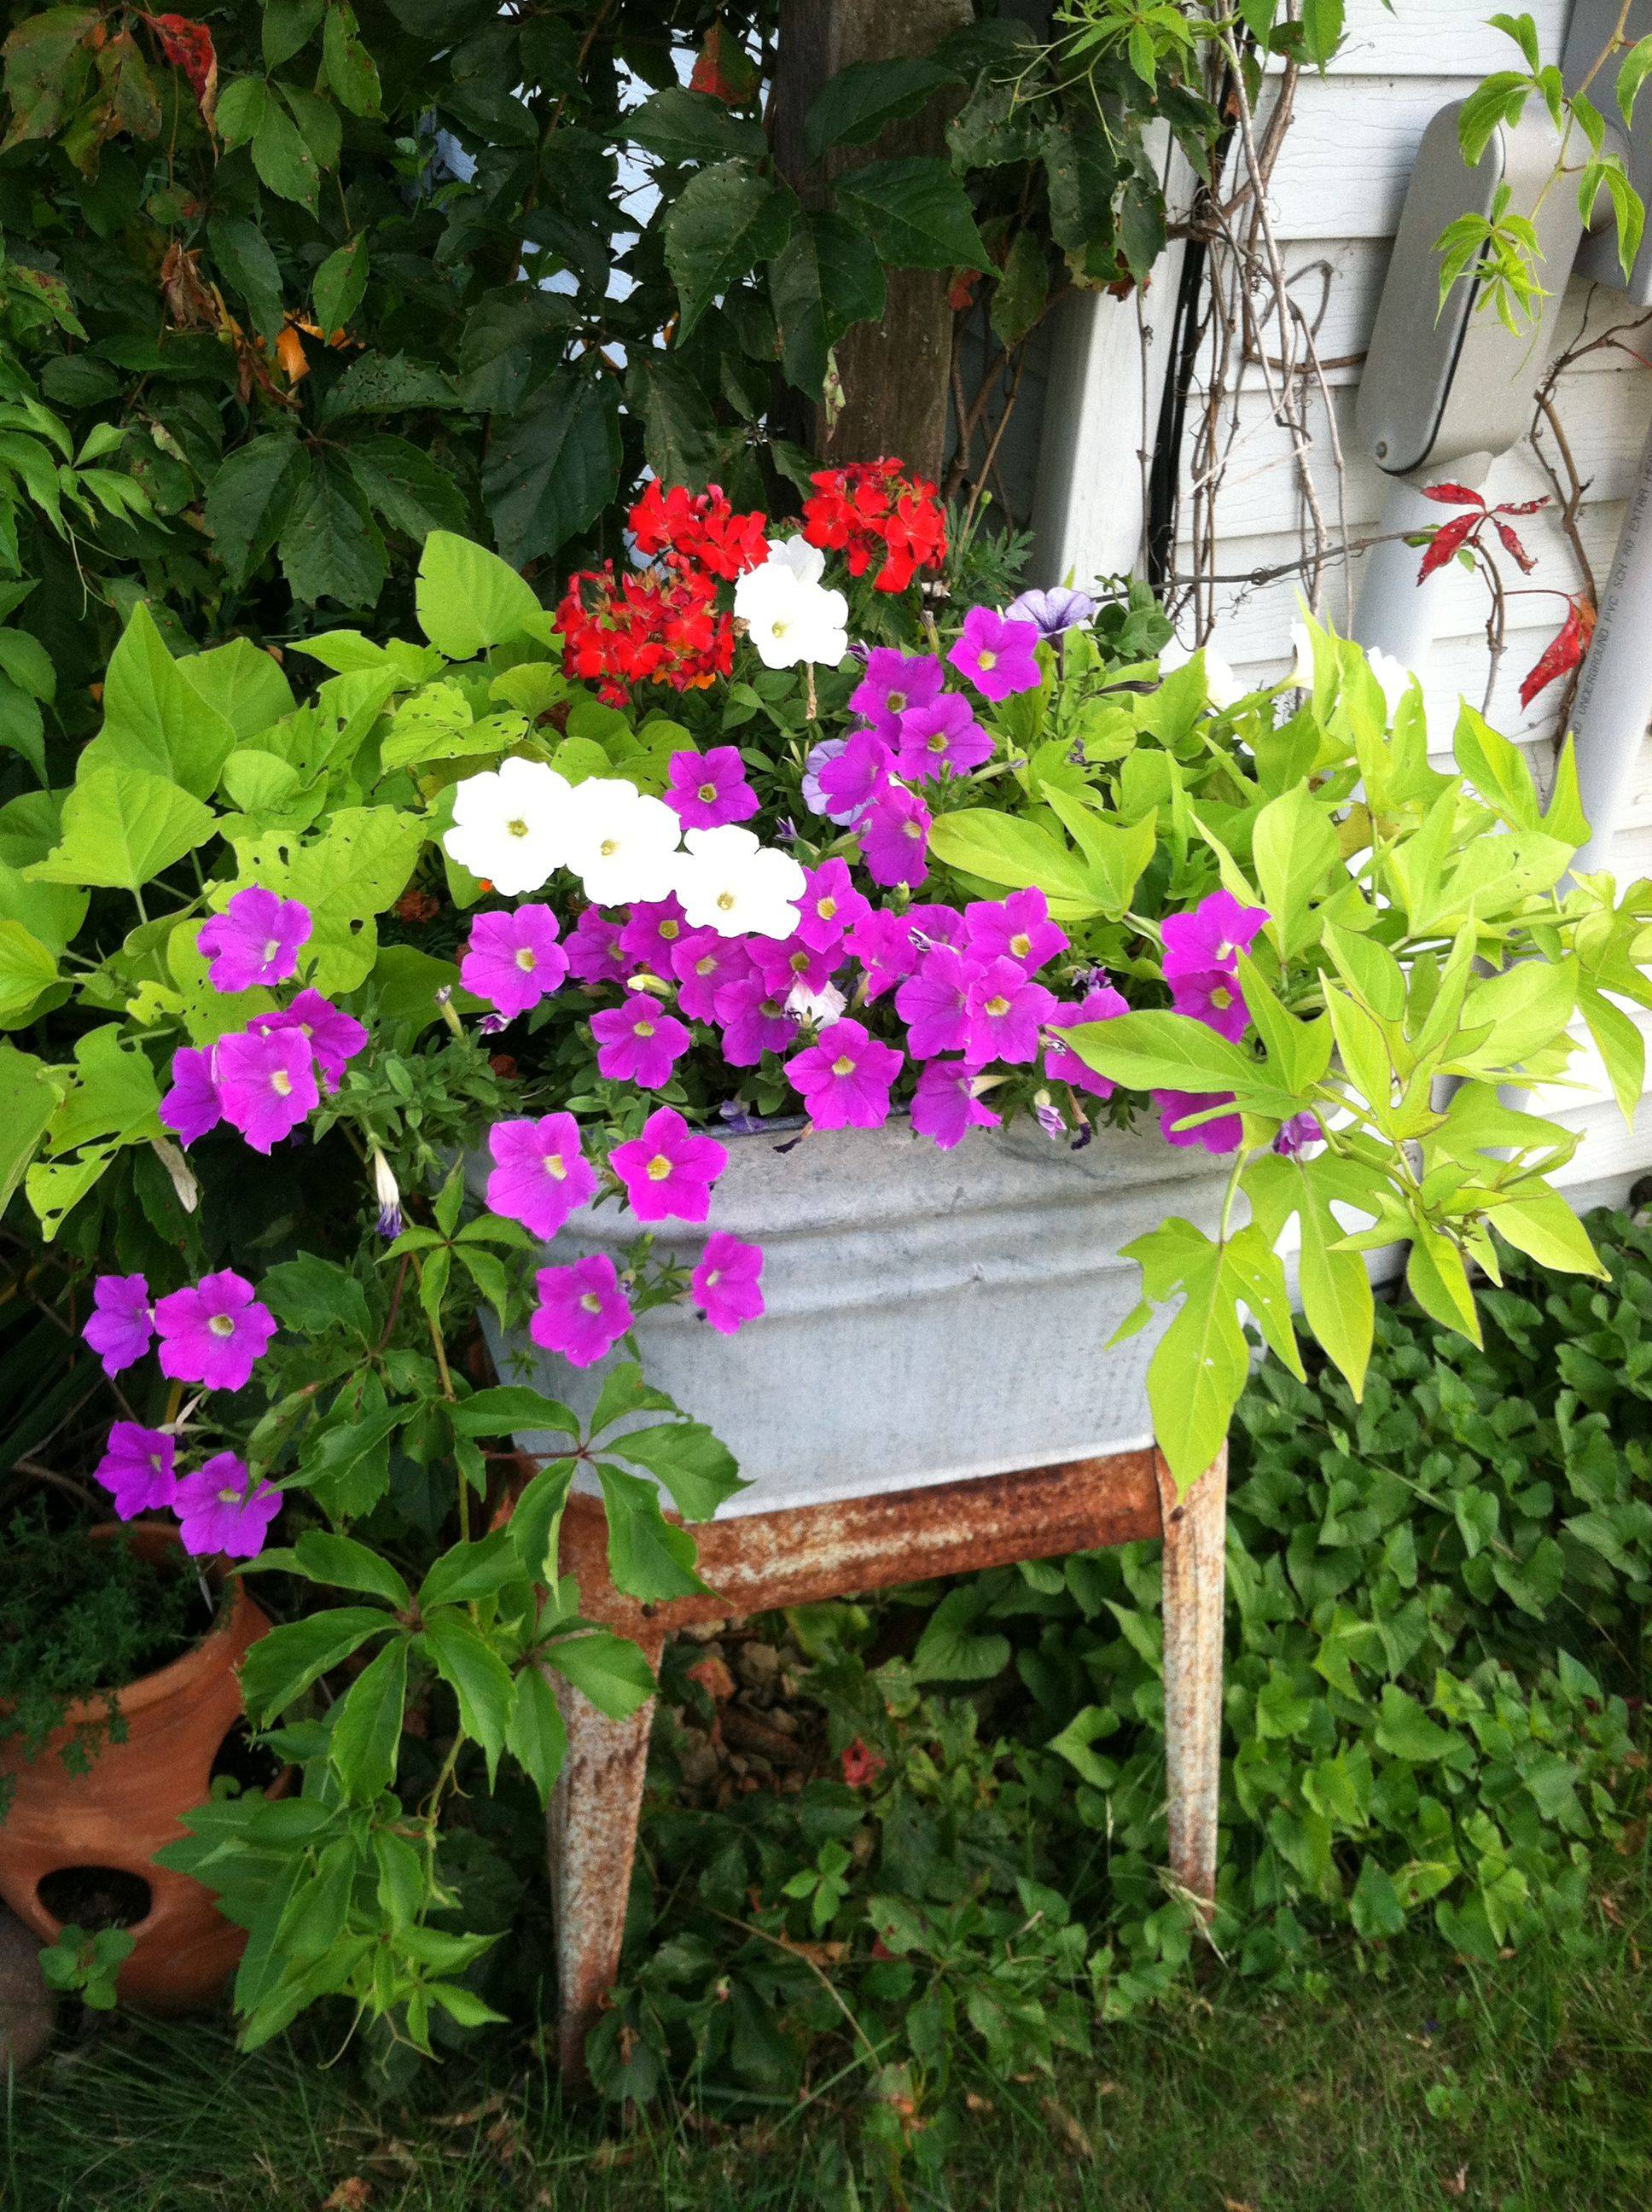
[
  {"x": 1224, "y": 1134},
  {"x": 944, "y": 1106},
  {"x": 1211, "y": 996},
  {"x": 266, "y": 1083},
  {"x": 814, "y": 798},
  {"x": 1017, "y": 927},
  {"x": 333, "y": 1035},
  {"x": 513, "y": 959},
  {"x": 934, "y": 1003},
  {"x": 583, "y": 1312},
  {"x": 1212, "y": 935},
  {"x": 751, "y": 1014},
  {"x": 830, "y": 906},
  {"x": 1298, "y": 1134},
  {"x": 894, "y": 683},
  {"x": 706, "y": 790},
  {"x": 996, "y": 655},
  {"x": 540, "y": 1173},
  {"x": 1100, "y": 1003},
  {"x": 943, "y": 736},
  {"x": 1053, "y": 611},
  {"x": 255, "y": 939},
  {"x": 844, "y": 1078},
  {"x": 221, "y": 1511},
  {"x": 703, "y": 963},
  {"x": 593, "y": 953},
  {"x": 138, "y": 1468},
  {"x": 668, "y": 1171},
  {"x": 726, "y": 1284},
  {"x": 1006, "y": 1010},
  {"x": 855, "y": 776},
  {"x": 650, "y": 935},
  {"x": 213, "y": 1332},
  {"x": 895, "y": 837},
  {"x": 191, "y": 1108},
  {"x": 639, "y": 1042},
  {"x": 121, "y": 1322}
]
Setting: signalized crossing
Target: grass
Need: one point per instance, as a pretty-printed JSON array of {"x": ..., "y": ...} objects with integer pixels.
[{"x": 1522, "y": 2086}]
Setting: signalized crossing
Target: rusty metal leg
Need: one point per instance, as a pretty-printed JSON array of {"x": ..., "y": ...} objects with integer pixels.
[
  {"x": 1195, "y": 1529},
  {"x": 593, "y": 1839}
]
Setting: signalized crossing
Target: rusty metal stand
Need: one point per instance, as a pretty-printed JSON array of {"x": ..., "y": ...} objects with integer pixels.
[{"x": 760, "y": 1562}]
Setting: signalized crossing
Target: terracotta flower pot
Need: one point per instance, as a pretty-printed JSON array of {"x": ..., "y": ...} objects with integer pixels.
[{"x": 107, "y": 1823}]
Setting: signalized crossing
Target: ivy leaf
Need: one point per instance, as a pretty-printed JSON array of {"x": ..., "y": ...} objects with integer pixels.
[
  {"x": 479, "y": 1678},
  {"x": 282, "y": 156},
  {"x": 239, "y": 249},
  {"x": 250, "y": 498},
  {"x": 918, "y": 213},
  {"x": 698, "y": 1471},
  {"x": 122, "y": 827},
  {"x": 366, "y": 1737},
  {"x": 339, "y": 283},
  {"x": 47, "y": 65},
  {"x": 330, "y": 545},
  {"x": 679, "y": 431},
  {"x": 287, "y": 28},
  {"x": 351, "y": 69},
  {"x": 281, "y": 1666},
  {"x": 683, "y": 126},
  {"x": 852, "y": 107},
  {"x": 826, "y": 278},
  {"x": 534, "y": 1736},
  {"x": 552, "y": 468},
  {"x": 648, "y": 1557},
  {"x": 725, "y": 220},
  {"x": 609, "y": 1670},
  {"x": 405, "y": 486}
]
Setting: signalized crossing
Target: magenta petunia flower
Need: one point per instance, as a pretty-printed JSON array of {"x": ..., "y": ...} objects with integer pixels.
[
  {"x": 703, "y": 961},
  {"x": 1017, "y": 927},
  {"x": 830, "y": 906},
  {"x": 1298, "y": 1134},
  {"x": 650, "y": 935},
  {"x": 1212, "y": 935},
  {"x": 333, "y": 1035},
  {"x": 639, "y": 1042},
  {"x": 191, "y": 1108},
  {"x": 540, "y": 1173},
  {"x": 788, "y": 962},
  {"x": 936, "y": 925},
  {"x": 593, "y": 948},
  {"x": 266, "y": 1083},
  {"x": 726, "y": 1284},
  {"x": 513, "y": 959},
  {"x": 852, "y": 779},
  {"x": 751, "y": 1014},
  {"x": 138, "y": 1468},
  {"x": 255, "y": 939},
  {"x": 996, "y": 655},
  {"x": 1101, "y": 1003},
  {"x": 668, "y": 1171},
  {"x": 1051, "y": 612},
  {"x": 844, "y": 1078},
  {"x": 944, "y": 1106},
  {"x": 943, "y": 736},
  {"x": 894, "y": 683},
  {"x": 1006, "y": 1011},
  {"x": 934, "y": 1003},
  {"x": 882, "y": 943},
  {"x": 213, "y": 1332},
  {"x": 707, "y": 789},
  {"x": 221, "y": 1511},
  {"x": 1212, "y": 996},
  {"x": 121, "y": 1322},
  {"x": 583, "y": 1312},
  {"x": 895, "y": 837},
  {"x": 1224, "y": 1135}
]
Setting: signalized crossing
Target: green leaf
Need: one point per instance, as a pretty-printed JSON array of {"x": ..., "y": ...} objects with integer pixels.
[
  {"x": 1338, "y": 1303},
  {"x": 917, "y": 212},
  {"x": 479, "y": 1678},
  {"x": 512, "y": 1407},
  {"x": 240, "y": 109},
  {"x": 679, "y": 430},
  {"x": 852, "y": 107},
  {"x": 241, "y": 252},
  {"x": 698, "y": 1471},
  {"x": 684, "y": 126},
  {"x": 365, "y": 1738},
  {"x": 1005, "y": 848},
  {"x": 122, "y": 827},
  {"x": 250, "y": 498},
  {"x": 1544, "y": 1227},
  {"x": 26, "y": 1103},
  {"x": 825, "y": 279},
  {"x": 287, "y": 28},
  {"x": 154, "y": 718},
  {"x": 283, "y": 158},
  {"x": 948, "y": 1651},
  {"x": 356, "y": 867},
  {"x": 536, "y": 1519},
  {"x": 724, "y": 222},
  {"x": 1170, "y": 1051},
  {"x": 534, "y": 1736},
  {"x": 1405, "y": 1731},
  {"x": 1021, "y": 289},
  {"x": 280, "y": 1667},
  {"x": 648, "y": 1557},
  {"x": 552, "y": 468},
  {"x": 242, "y": 683},
  {"x": 339, "y": 284},
  {"x": 405, "y": 486},
  {"x": 1374, "y": 1906},
  {"x": 1201, "y": 1364},
  {"x": 1294, "y": 849},
  {"x": 468, "y": 1571},
  {"x": 470, "y": 600},
  {"x": 344, "y": 1464},
  {"x": 347, "y": 1564},
  {"x": 330, "y": 545},
  {"x": 1496, "y": 770},
  {"x": 47, "y": 66},
  {"x": 609, "y": 1670},
  {"x": 351, "y": 69},
  {"x": 27, "y": 969}
]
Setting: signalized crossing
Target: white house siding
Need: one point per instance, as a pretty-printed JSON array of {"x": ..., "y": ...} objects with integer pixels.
[{"x": 1335, "y": 199}]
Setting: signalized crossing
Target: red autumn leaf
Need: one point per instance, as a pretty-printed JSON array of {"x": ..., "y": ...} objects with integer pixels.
[
  {"x": 961, "y": 292},
  {"x": 1512, "y": 546},
  {"x": 1446, "y": 542},
  {"x": 724, "y": 69},
  {"x": 1521, "y": 506},
  {"x": 188, "y": 47},
  {"x": 1562, "y": 652},
  {"x": 1452, "y": 495}
]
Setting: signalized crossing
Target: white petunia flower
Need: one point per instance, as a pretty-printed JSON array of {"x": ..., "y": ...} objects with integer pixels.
[
  {"x": 622, "y": 844},
  {"x": 730, "y": 883},
  {"x": 510, "y": 825},
  {"x": 1221, "y": 685},
  {"x": 818, "y": 1009},
  {"x": 790, "y": 618},
  {"x": 806, "y": 562}
]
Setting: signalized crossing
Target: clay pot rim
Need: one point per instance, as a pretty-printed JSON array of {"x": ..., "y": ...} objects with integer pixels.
[{"x": 229, "y": 1632}]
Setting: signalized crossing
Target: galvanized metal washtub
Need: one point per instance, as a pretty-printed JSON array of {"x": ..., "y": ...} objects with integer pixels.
[{"x": 931, "y": 1317}]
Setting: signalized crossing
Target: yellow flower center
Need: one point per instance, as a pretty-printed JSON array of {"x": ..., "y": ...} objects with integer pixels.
[
  {"x": 229, "y": 1498},
  {"x": 658, "y": 1167},
  {"x": 526, "y": 961},
  {"x": 671, "y": 930},
  {"x": 911, "y": 830},
  {"x": 998, "y": 1008},
  {"x": 844, "y": 1067},
  {"x": 272, "y": 946},
  {"x": 557, "y": 1167},
  {"x": 222, "y": 1325},
  {"x": 707, "y": 966},
  {"x": 590, "y": 1303},
  {"x": 708, "y": 794},
  {"x": 644, "y": 1029},
  {"x": 826, "y": 909},
  {"x": 608, "y": 848},
  {"x": 725, "y": 901},
  {"x": 1021, "y": 944},
  {"x": 519, "y": 828},
  {"x": 985, "y": 659},
  {"x": 281, "y": 1084},
  {"x": 896, "y": 702}
]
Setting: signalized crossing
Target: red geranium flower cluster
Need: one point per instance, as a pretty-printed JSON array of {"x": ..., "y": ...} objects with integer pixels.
[
  {"x": 870, "y": 511},
  {"x": 655, "y": 627},
  {"x": 699, "y": 529}
]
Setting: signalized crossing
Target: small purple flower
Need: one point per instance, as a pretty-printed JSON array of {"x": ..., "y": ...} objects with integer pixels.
[
  {"x": 668, "y": 1171},
  {"x": 1213, "y": 935},
  {"x": 934, "y": 1003},
  {"x": 882, "y": 943},
  {"x": 513, "y": 959},
  {"x": 1051, "y": 612},
  {"x": 814, "y": 798},
  {"x": 703, "y": 963},
  {"x": 708, "y": 789},
  {"x": 254, "y": 940},
  {"x": 945, "y": 1105},
  {"x": 266, "y": 1083},
  {"x": 1211, "y": 996},
  {"x": 138, "y": 1468},
  {"x": 1048, "y": 1118},
  {"x": 651, "y": 934},
  {"x": 853, "y": 777},
  {"x": 638, "y": 1041},
  {"x": 582, "y": 1311},
  {"x": 191, "y": 1108},
  {"x": 121, "y": 1322},
  {"x": 895, "y": 837},
  {"x": 943, "y": 736},
  {"x": 334, "y": 1036},
  {"x": 752, "y": 1017},
  {"x": 1298, "y": 1134},
  {"x": 593, "y": 953},
  {"x": 1100, "y": 1003},
  {"x": 1006, "y": 1010},
  {"x": 996, "y": 655},
  {"x": 1224, "y": 1135},
  {"x": 785, "y": 962},
  {"x": 540, "y": 1173},
  {"x": 830, "y": 907},
  {"x": 223, "y": 1511},
  {"x": 724, "y": 1284},
  {"x": 1017, "y": 927},
  {"x": 844, "y": 1078},
  {"x": 894, "y": 683},
  {"x": 213, "y": 1332}
]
